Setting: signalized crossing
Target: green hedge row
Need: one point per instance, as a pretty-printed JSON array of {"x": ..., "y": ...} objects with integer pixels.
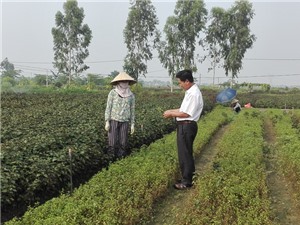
[
  {"x": 234, "y": 191},
  {"x": 39, "y": 129},
  {"x": 295, "y": 116},
  {"x": 287, "y": 147},
  {"x": 126, "y": 192},
  {"x": 271, "y": 100}
]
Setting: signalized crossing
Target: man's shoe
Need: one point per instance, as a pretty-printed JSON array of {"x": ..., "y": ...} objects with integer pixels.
[{"x": 181, "y": 186}]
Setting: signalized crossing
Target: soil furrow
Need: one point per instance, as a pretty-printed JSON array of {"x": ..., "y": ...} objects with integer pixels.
[{"x": 169, "y": 207}]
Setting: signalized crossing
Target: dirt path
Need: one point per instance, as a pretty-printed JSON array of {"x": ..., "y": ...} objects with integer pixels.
[
  {"x": 169, "y": 207},
  {"x": 283, "y": 204}
]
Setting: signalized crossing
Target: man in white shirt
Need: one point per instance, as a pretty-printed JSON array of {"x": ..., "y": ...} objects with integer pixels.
[{"x": 186, "y": 116}]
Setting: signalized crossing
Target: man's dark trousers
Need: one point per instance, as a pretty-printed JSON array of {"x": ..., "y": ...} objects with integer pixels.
[{"x": 186, "y": 133}]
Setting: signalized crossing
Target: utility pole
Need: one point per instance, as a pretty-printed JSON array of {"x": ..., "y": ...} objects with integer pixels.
[
  {"x": 214, "y": 69},
  {"x": 199, "y": 79},
  {"x": 47, "y": 79}
]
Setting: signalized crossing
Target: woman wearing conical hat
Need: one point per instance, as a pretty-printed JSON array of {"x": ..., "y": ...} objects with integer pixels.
[{"x": 120, "y": 115}]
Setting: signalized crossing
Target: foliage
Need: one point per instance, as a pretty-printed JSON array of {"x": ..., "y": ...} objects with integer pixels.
[
  {"x": 167, "y": 50},
  {"x": 239, "y": 38},
  {"x": 234, "y": 191},
  {"x": 123, "y": 196},
  {"x": 270, "y": 100},
  {"x": 287, "y": 145},
  {"x": 140, "y": 27},
  {"x": 9, "y": 70},
  {"x": 39, "y": 130},
  {"x": 71, "y": 40},
  {"x": 182, "y": 30},
  {"x": 250, "y": 86},
  {"x": 229, "y": 36},
  {"x": 214, "y": 35},
  {"x": 295, "y": 116}
]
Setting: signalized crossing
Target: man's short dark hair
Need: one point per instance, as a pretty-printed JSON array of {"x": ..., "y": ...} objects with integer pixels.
[{"x": 184, "y": 75}]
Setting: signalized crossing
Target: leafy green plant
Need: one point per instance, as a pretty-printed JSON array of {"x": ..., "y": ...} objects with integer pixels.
[
  {"x": 39, "y": 129},
  {"x": 234, "y": 191},
  {"x": 124, "y": 193},
  {"x": 287, "y": 146}
]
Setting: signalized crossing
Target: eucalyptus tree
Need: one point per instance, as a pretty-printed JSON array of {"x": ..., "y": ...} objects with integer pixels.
[
  {"x": 215, "y": 35},
  {"x": 168, "y": 49},
  {"x": 141, "y": 37},
  {"x": 71, "y": 40},
  {"x": 230, "y": 31},
  {"x": 182, "y": 32},
  {"x": 239, "y": 36}
]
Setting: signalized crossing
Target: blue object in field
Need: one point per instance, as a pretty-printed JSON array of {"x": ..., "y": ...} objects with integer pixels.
[{"x": 226, "y": 95}]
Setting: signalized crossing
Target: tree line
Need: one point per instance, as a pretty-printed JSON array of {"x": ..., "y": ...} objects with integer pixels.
[{"x": 223, "y": 34}]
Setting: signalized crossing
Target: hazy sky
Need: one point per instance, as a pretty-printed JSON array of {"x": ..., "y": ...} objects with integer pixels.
[{"x": 27, "y": 42}]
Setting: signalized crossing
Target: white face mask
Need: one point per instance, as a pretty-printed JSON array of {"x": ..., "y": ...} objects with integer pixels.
[
  {"x": 124, "y": 84},
  {"x": 122, "y": 88}
]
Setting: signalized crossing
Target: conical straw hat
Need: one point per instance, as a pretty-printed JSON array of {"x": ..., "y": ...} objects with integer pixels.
[
  {"x": 234, "y": 101},
  {"x": 122, "y": 76}
]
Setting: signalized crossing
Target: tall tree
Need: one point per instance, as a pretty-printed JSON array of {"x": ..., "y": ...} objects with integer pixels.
[
  {"x": 239, "y": 37},
  {"x": 168, "y": 49},
  {"x": 215, "y": 35},
  {"x": 191, "y": 17},
  {"x": 71, "y": 40},
  {"x": 141, "y": 37},
  {"x": 182, "y": 32},
  {"x": 8, "y": 70},
  {"x": 229, "y": 35}
]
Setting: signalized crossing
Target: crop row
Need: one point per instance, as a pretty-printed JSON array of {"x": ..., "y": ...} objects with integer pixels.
[
  {"x": 126, "y": 192},
  {"x": 287, "y": 147},
  {"x": 295, "y": 116},
  {"x": 271, "y": 100},
  {"x": 235, "y": 190},
  {"x": 40, "y": 130}
]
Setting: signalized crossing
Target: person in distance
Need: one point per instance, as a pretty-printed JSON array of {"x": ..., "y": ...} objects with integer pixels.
[{"x": 236, "y": 105}]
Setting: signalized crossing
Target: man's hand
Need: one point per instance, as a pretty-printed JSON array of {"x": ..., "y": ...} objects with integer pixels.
[
  {"x": 167, "y": 114},
  {"x": 175, "y": 113}
]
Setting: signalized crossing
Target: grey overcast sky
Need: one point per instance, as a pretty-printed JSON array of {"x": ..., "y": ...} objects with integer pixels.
[{"x": 27, "y": 42}]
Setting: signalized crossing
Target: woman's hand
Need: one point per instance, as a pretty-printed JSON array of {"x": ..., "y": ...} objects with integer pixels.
[{"x": 107, "y": 126}]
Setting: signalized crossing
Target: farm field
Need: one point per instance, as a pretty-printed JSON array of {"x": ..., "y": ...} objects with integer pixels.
[
  {"x": 39, "y": 131},
  {"x": 240, "y": 159},
  {"x": 219, "y": 199}
]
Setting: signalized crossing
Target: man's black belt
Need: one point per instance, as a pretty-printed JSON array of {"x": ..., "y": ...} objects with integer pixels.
[{"x": 185, "y": 121}]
